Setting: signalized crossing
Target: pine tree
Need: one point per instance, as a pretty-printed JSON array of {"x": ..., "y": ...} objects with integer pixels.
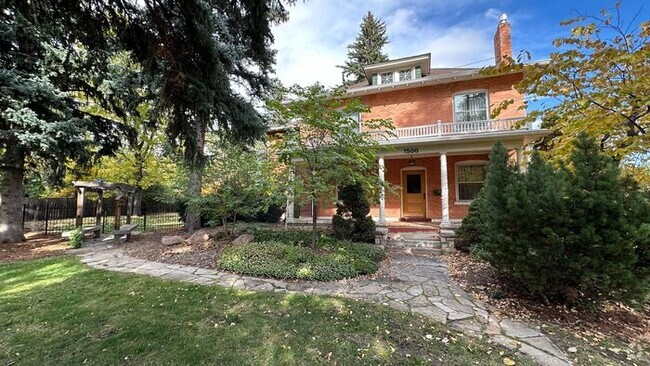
[
  {"x": 366, "y": 49},
  {"x": 605, "y": 234},
  {"x": 499, "y": 182}
]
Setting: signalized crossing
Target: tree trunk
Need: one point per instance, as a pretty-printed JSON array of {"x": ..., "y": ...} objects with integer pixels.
[
  {"x": 314, "y": 232},
  {"x": 11, "y": 196},
  {"x": 193, "y": 219}
]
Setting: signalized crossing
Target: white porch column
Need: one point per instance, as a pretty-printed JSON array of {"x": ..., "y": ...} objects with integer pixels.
[
  {"x": 520, "y": 160},
  {"x": 289, "y": 211},
  {"x": 444, "y": 187},
  {"x": 382, "y": 193}
]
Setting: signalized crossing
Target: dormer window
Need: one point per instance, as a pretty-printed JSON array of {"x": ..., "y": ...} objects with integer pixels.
[
  {"x": 405, "y": 75},
  {"x": 387, "y": 78},
  {"x": 399, "y": 70}
]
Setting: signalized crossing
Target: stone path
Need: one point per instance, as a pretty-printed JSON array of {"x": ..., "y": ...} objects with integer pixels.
[{"x": 410, "y": 283}]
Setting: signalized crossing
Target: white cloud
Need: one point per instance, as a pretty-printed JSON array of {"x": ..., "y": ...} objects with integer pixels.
[{"x": 314, "y": 40}]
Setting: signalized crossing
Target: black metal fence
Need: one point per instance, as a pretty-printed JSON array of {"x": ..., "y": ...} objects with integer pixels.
[{"x": 56, "y": 215}]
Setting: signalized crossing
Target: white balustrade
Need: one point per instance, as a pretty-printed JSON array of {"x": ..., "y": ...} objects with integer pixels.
[{"x": 451, "y": 128}]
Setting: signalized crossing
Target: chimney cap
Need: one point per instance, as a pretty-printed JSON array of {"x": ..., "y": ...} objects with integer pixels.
[{"x": 503, "y": 18}]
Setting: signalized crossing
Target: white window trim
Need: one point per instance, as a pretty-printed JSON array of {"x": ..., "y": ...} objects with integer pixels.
[
  {"x": 411, "y": 71},
  {"x": 471, "y": 91},
  {"x": 381, "y": 77},
  {"x": 395, "y": 73},
  {"x": 458, "y": 201}
]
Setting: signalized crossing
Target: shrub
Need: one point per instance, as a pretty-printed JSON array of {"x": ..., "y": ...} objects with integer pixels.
[
  {"x": 577, "y": 233},
  {"x": 470, "y": 233},
  {"x": 351, "y": 221},
  {"x": 288, "y": 256},
  {"x": 76, "y": 238}
]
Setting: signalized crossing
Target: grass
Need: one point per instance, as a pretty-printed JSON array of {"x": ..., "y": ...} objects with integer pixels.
[{"x": 61, "y": 312}]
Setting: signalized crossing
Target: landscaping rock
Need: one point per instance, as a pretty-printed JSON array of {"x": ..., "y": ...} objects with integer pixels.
[
  {"x": 200, "y": 237},
  {"x": 172, "y": 240},
  {"x": 243, "y": 239}
]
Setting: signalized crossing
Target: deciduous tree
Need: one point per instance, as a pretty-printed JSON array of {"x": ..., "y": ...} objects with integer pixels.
[
  {"x": 596, "y": 82},
  {"x": 326, "y": 143}
]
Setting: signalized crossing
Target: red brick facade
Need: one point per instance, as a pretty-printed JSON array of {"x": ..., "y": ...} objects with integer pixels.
[{"x": 428, "y": 104}]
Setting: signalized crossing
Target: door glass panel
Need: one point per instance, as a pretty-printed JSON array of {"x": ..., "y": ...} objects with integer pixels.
[{"x": 413, "y": 183}]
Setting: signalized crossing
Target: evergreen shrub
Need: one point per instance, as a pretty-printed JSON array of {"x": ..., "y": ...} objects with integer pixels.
[
  {"x": 578, "y": 233},
  {"x": 351, "y": 221}
]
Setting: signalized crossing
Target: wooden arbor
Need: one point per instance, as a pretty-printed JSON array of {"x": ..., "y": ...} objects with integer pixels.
[{"x": 124, "y": 193}]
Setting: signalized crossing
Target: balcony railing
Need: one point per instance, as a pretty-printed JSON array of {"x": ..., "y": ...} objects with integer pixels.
[{"x": 451, "y": 128}]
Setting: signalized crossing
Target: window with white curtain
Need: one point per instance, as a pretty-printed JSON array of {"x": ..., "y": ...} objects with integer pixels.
[
  {"x": 470, "y": 107},
  {"x": 469, "y": 179}
]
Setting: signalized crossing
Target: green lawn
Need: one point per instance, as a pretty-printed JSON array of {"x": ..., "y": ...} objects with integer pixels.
[{"x": 60, "y": 312}]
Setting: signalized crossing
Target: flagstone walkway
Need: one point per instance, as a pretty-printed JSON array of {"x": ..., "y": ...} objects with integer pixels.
[{"x": 410, "y": 283}]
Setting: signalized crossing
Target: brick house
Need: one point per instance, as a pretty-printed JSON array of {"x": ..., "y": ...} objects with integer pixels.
[{"x": 444, "y": 134}]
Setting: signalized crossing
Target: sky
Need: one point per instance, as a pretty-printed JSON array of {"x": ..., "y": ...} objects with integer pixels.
[{"x": 456, "y": 32}]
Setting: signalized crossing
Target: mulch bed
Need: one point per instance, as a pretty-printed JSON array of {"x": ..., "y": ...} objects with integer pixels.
[
  {"x": 149, "y": 246},
  {"x": 36, "y": 245},
  {"x": 612, "y": 321}
]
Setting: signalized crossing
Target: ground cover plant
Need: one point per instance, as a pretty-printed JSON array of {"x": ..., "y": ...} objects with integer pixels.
[
  {"x": 60, "y": 311},
  {"x": 287, "y": 255}
]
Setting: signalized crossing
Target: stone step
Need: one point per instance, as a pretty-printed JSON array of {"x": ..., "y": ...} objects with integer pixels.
[
  {"x": 414, "y": 243},
  {"x": 413, "y": 235},
  {"x": 413, "y": 251}
]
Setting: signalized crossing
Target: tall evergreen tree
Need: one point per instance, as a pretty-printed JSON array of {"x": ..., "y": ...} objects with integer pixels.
[
  {"x": 195, "y": 51},
  {"x": 366, "y": 48},
  {"x": 55, "y": 53},
  {"x": 51, "y": 52}
]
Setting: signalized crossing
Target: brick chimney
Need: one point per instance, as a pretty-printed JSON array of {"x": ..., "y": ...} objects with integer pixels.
[{"x": 502, "y": 41}]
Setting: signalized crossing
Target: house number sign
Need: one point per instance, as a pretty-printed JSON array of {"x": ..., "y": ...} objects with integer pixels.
[{"x": 411, "y": 150}]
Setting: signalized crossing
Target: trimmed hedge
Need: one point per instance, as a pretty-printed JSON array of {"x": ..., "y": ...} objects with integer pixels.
[{"x": 285, "y": 255}]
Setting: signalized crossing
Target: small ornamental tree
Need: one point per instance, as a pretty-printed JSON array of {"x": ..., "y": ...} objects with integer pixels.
[
  {"x": 325, "y": 143},
  {"x": 239, "y": 183},
  {"x": 352, "y": 220}
]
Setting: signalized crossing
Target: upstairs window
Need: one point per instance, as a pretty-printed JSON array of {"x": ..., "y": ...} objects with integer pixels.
[
  {"x": 470, "y": 107},
  {"x": 387, "y": 78},
  {"x": 405, "y": 75},
  {"x": 469, "y": 180}
]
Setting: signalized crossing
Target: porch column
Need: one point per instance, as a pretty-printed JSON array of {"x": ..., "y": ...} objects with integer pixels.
[
  {"x": 382, "y": 193},
  {"x": 520, "y": 159},
  {"x": 444, "y": 188},
  {"x": 289, "y": 211}
]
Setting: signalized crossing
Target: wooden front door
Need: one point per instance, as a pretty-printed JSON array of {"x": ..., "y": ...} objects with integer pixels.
[{"x": 413, "y": 194}]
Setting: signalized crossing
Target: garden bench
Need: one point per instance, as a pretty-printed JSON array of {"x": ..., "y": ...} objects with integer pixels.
[
  {"x": 96, "y": 230},
  {"x": 124, "y": 230}
]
